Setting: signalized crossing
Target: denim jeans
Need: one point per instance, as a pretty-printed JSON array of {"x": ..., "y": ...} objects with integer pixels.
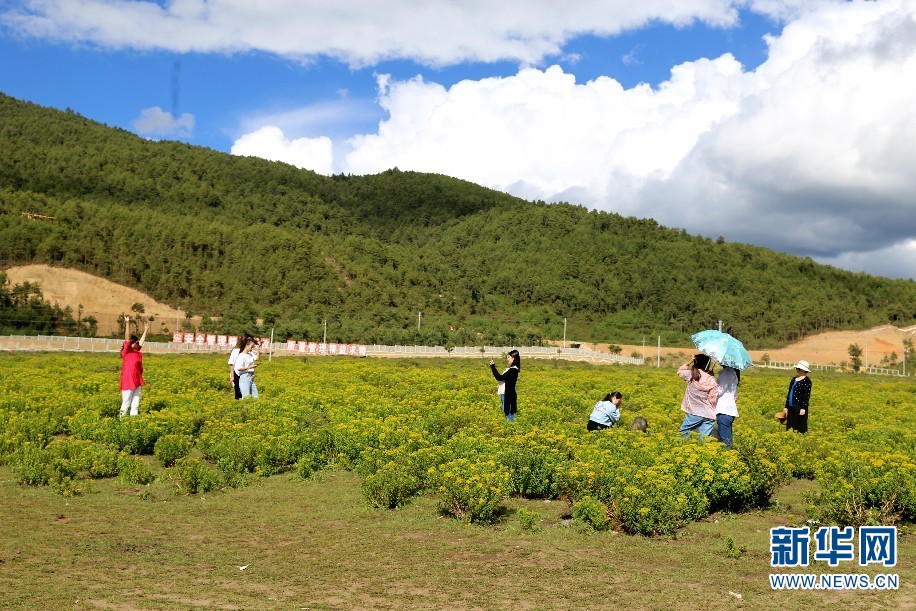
[
  {"x": 692, "y": 423},
  {"x": 724, "y": 421},
  {"x": 247, "y": 385},
  {"x": 502, "y": 404}
]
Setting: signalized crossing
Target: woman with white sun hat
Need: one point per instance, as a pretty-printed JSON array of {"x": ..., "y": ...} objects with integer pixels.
[{"x": 798, "y": 398}]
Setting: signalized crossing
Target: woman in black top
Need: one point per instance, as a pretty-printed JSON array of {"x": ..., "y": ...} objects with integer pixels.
[
  {"x": 508, "y": 378},
  {"x": 797, "y": 399}
]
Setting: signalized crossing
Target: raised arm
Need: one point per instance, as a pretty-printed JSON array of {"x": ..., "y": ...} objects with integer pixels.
[
  {"x": 126, "y": 328},
  {"x": 496, "y": 373},
  {"x": 684, "y": 371},
  {"x": 145, "y": 329},
  {"x": 614, "y": 413}
]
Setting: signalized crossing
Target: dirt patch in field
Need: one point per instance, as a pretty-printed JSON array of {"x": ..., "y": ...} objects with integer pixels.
[{"x": 99, "y": 297}]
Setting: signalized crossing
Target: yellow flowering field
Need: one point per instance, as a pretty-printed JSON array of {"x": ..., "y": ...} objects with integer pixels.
[{"x": 410, "y": 427}]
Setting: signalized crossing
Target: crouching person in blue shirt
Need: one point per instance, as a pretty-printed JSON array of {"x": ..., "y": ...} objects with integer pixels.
[{"x": 606, "y": 413}]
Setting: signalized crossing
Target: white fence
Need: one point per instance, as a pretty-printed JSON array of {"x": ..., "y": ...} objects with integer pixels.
[
  {"x": 52, "y": 343},
  {"x": 493, "y": 352},
  {"x": 870, "y": 370},
  {"x": 55, "y": 343}
]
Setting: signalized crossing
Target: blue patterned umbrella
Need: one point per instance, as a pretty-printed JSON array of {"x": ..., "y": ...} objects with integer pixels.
[{"x": 723, "y": 347}]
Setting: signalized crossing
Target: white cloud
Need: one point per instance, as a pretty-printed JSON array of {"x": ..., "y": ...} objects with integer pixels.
[
  {"x": 631, "y": 58},
  {"x": 360, "y": 32},
  {"x": 157, "y": 123},
  {"x": 785, "y": 10},
  {"x": 543, "y": 130},
  {"x": 319, "y": 117},
  {"x": 269, "y": 142},
  {"x": 818, "y": 157},
  {"x": 294, "y": 128},
  {"x": 811, "y": 153}
]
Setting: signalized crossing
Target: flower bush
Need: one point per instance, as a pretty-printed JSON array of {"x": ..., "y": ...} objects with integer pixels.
[
  {"x": 170, "y": 448},
  {"x": 390, "y": 486},
  {"x": 590, "y": 513},
  {"x": 866, "y": 488},
  {"x": 190, "y": 476},
  {"x": 472, "y": 491},
  {"x": 134, "y": 471}
]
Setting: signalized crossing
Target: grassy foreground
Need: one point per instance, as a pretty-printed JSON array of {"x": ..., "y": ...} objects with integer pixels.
[
  {"x": 85, "y": 537},
  {"x": 291, "y": 544}
]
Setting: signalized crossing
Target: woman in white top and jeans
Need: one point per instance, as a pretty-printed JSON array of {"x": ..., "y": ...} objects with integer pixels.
[
  {"x": 727, "y": 404},
  {"x": 244, "y": 369}
]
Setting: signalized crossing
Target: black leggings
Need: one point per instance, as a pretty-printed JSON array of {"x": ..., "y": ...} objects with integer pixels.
[
  {"x": 235, "y": 384},
  {"x": 594, "y": 426}
]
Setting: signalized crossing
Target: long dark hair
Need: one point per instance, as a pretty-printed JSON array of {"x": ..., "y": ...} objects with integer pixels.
[
  {"x": 516, "y": 359},
  {"x": 612, "y": 395},
  {"x": 700, "y": 361},
  {"x": 242, "y": 340}
]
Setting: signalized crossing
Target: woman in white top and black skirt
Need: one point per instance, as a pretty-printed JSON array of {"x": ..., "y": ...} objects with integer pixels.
[
  {"x": 234, "y": 379},
  {"x": 507, "y": 380}
]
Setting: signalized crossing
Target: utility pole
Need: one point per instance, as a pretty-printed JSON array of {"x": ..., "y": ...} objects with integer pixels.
[
  {"x": 643, "y": 347},
  {"x": 659, "y": 366},
  {"x": 419, "y": 316},
  {"x": 720, "y": 326},
  {"x": 324, "y": 338},
  {"x": 178, "y": 320},
  {"x": 564, "y": 334}
]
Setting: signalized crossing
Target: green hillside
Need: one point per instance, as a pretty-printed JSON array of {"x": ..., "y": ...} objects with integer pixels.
[{"x": 244, "y": 238}]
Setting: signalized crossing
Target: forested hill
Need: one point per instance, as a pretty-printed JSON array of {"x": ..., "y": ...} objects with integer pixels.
[{"x": 243, "y": 238}]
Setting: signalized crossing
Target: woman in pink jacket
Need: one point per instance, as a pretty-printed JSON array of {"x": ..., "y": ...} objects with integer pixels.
[{"x": 700, "y": 397}]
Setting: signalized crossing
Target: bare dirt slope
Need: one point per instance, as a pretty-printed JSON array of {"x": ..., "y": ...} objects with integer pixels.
[
  {"x": 99, "y": 297},
  {"x": 833, "y": 347},
  {"x": 822, "y": 349}
]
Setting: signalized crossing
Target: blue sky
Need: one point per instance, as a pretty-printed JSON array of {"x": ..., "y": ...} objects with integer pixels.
[{"x": 783, "y": 123}]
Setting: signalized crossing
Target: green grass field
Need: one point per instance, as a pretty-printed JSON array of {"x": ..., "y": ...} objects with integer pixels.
[
  {"x": 317, "y": 545},
  {"x": 264, "y": 537}
]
